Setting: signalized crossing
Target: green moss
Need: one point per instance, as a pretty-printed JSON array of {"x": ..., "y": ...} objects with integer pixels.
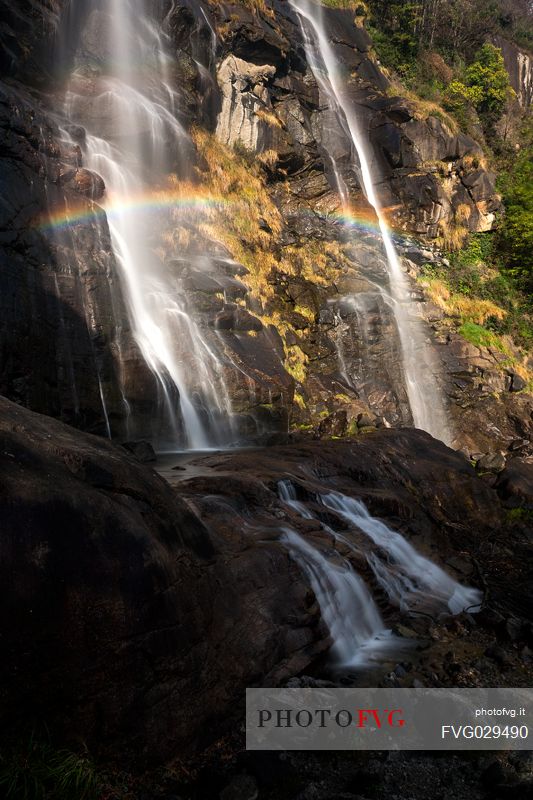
[
  {"x": 481, "y": 337},
  {"x": 352, "y": 429},
  {"x": 343, "y": 398},
  {"x": 519, "y": 515},
  {"x": 296, "y": 363},
  {"x": 299, "y": 400}
]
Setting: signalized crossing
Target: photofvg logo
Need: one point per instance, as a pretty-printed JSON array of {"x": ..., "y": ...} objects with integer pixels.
[
  {"x": 305, "y": 717},
  {"x": 389, "y": 719}
]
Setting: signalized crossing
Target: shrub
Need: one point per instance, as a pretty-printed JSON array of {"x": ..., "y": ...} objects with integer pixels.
[{"x": 34, "y": 770}]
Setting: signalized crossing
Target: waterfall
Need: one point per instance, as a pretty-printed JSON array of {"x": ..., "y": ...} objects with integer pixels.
[
  {"x": 418, "y": 363},
  {"x": 129, "y": 109},
  {"x": 346, "y": 606},
  {"x": 411, "y": 581}
]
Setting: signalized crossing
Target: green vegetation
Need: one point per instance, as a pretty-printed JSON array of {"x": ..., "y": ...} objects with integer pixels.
[
  {"x": 352, "y": 4},
  {"x": 454, "y": 28},
  {"x": 484, "y": 297},
  {"x": 393, "y": 27},
  {"x": 519, "y": 515},
  {"x": 481, "y": 337},
  {"x": 440, "y": 50},
  {"x": 514, "y": 238},
  {"x": 484, "y": 84},
  {"x": 440, "y": 57},
  {"x": 36, "y": 771}
]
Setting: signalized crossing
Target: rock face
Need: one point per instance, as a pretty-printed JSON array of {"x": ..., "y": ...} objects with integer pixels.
[
  {"x": 119, "y": 607},
  {"x": 245, "y": 103},
  {"x": 313, "y": 345},
  {"x": 429, "y": 173},
  {"x": 27, "y": 33},
  {"x": 59, "y": 342},
  {"x": 519, "y": 65}
]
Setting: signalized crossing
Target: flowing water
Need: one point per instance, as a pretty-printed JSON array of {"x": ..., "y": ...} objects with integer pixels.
[
  {"x": 134, "y": 139},
  {"x": 346, "y": 606},
  {"x": 418, "y": 362},
  {"x": 411, "y": 581}
]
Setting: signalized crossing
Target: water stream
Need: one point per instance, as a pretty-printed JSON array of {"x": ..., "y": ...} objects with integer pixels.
[
  {"x": 418, "y": 364},
  {"x": 411, "y": 581},
  {"x": 134, "y": 138}
]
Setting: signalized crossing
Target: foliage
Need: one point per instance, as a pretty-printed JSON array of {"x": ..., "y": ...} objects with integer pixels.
[
  {"x": 487, "y": 301},
  {"x": 454, "y": 28},
  {"x": 36, "y": 771},
  {"x": 485, "y": 84},
  {"x": 515, "y": 234},
  {"x": 351, "y": 4},
  {"x": 395, "y": 35},
  {"x": 441, "y": 51}
]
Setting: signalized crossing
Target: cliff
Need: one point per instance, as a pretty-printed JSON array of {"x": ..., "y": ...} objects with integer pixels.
[{"x": 286, "y": 303}]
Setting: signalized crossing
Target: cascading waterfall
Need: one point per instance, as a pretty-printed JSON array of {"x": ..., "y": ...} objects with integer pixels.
[
  {"x": 418, "y": 362},
  {"x": 411, "y": 581},
  {"x": 346, "y": 606},
  {"x": 128, "y": 108}
]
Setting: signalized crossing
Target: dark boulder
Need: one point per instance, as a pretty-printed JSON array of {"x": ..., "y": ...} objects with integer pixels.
[
  {"x": 480, "y": 184},
  {"x": 515, "y": 484},
  {"x": 517, "y": 382},
  {"x": 143, "y": 451},
  {"x": 119, "y": 609}
]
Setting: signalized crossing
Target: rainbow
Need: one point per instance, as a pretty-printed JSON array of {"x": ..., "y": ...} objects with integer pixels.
[
  {"x": 365, "y": 221},
  {"x": 116, "y": 205},
  {"x": 192, "y": 202}
]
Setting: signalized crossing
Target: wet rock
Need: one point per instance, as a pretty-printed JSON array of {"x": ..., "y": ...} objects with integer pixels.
[
  {"x": 143, "y": 451},
  {"x": 88, "y": 184},
  {"x": 76, "y": 131},
  {"x": 28, "y": 39},
  {"x": 515, "y": 484},
  {"x": 517, "y": 382},
  {"x": 334, "y": 424},
  {"x": 235, "y": 318},
  {"x": 491, "y": 462},
  {"x": 62, "y": 280},
  {"x": 366, "y": 420}
]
